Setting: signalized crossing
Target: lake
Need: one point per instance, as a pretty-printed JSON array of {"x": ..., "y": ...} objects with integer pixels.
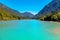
[{"x": 29, "y": 30}]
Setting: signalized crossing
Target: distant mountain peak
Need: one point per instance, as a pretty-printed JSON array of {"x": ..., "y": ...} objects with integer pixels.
[{"x": 27, "y": 14}]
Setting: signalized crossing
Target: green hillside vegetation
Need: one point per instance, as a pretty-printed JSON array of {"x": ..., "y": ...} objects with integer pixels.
[
  {"x": 51, "y": 17},
  {"x": 8, "y": 15}
]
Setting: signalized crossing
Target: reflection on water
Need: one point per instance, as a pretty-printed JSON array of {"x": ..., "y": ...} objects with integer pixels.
[{"x": 29, "y": 30}]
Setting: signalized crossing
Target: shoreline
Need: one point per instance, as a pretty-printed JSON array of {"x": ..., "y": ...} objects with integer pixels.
[
  {"x": 51, "y": 21},
  {"x": 30, "y": 19}
]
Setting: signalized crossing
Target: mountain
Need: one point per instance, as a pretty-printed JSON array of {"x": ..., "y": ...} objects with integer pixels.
[
  {"x": 49, "y": 9},
  {"x": 7, "y": 13},
  {"x": 50, "y": 12},
  {"x": 27, "y": 15}
]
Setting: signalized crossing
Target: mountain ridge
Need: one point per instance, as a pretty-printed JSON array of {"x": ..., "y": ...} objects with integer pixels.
[
  {"x": 50, "y": 12},
  {"x": 7, "y": 13},
  {"x": 49, "y": 8}
]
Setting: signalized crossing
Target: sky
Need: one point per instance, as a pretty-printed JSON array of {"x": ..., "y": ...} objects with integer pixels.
[{"x": 33, "y": 6}]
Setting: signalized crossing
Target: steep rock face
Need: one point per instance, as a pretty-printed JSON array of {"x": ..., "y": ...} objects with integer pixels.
[
  {"x": 49, "y": 9},
  {"x": 7, "y": 13}
]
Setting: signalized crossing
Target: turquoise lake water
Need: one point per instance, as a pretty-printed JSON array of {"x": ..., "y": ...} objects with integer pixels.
[{"x": 28, "y": 30}]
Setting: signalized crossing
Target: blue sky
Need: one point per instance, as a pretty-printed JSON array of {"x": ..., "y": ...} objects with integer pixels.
[{"x": 33, "y": 6}]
